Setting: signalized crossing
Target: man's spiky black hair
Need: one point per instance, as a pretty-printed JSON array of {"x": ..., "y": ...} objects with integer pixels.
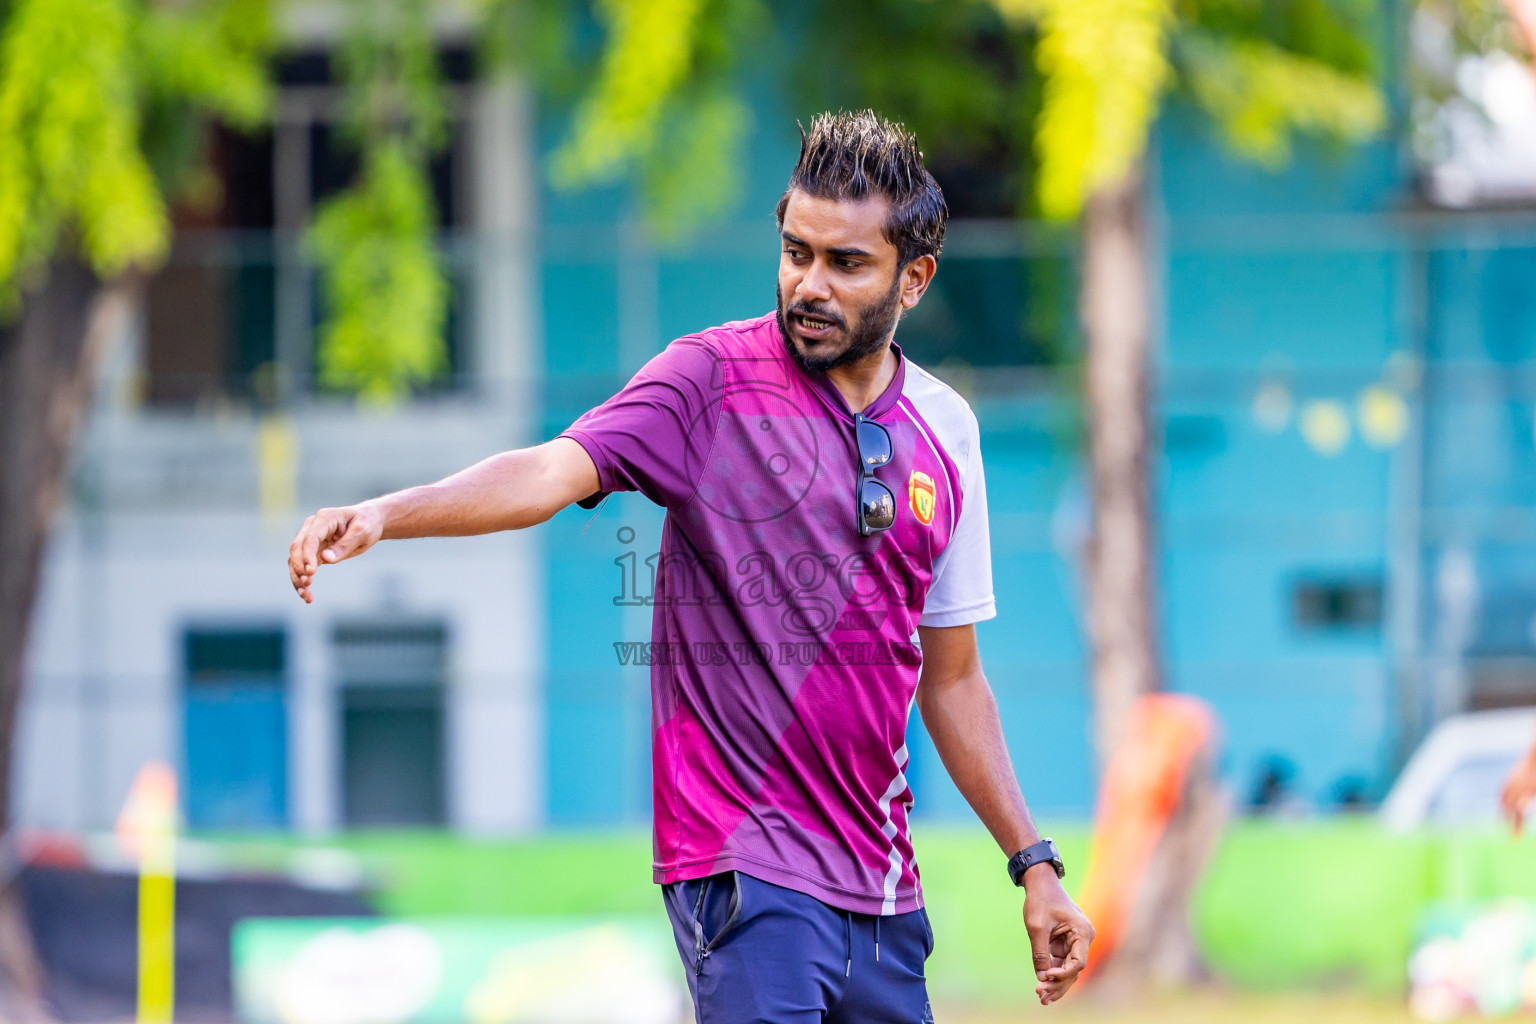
[{"x": 855, "y": 155}]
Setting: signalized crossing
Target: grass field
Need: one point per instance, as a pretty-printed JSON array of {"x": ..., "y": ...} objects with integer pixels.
[
  {"x": 1328, "y": 904},
  {"x": 1212, "y": 1007}
]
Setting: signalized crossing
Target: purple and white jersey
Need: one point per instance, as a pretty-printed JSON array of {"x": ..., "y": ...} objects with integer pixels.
[{"x": 784, "y": 655}]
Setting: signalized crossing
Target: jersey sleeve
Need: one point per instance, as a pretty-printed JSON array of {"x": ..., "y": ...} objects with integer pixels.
[
  {"x": 653, "y": 435},
  {"x": 961, "y": 591}
]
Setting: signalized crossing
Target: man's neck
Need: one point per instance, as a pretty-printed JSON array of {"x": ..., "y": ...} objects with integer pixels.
[{"x": 862, "y": 382}]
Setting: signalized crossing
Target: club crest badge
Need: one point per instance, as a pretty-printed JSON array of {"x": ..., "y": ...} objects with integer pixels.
[{"x": 921, "y": 492}]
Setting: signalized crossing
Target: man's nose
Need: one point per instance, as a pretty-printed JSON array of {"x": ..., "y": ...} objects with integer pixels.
[{"x": 815, "y": 285}]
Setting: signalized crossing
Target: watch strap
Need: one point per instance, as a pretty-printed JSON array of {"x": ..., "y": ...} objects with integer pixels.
[{"x": 1039, "y": 853}]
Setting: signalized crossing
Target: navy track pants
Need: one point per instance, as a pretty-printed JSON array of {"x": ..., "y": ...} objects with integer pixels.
[{"x": 758, "y": 953}]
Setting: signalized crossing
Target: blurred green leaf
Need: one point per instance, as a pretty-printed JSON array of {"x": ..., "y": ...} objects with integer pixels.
[
  {"x": 693, "y": 177},
  {"x": 1258, "y": 95},
  {"x": 959, "y": 75},
  {"x": 1105, "y": 69},
  {"x": 382, "y": 284},
  {"x": 1343, "y": 34},
  {"x": 649, "y": 53},
  {"x": 386, "y": 296},
  {"x": 1262, "y": 70},
  {"x": 388, "y": 67},
  {"x": 213, "y": 54},
  {"x": 75, "y": 79},
  {"x": 531, "y": 38},
  {"x": 69, "y": 152}
]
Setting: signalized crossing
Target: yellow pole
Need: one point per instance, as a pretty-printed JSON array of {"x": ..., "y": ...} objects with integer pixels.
[
  {"x": 157, "y": 930},
  {"x": 148, "y": 827}
]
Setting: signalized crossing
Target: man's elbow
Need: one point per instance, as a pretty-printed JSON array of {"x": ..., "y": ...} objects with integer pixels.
[
  {"x": 933, "y": 691},
  {"x": 553, "y": 478},
  {"x": 566, "y": 472},
  {"x": 938, "y": 689}
]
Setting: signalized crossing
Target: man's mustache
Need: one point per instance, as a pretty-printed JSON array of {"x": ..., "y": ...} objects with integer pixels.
[{"x": 804, "y": 309}]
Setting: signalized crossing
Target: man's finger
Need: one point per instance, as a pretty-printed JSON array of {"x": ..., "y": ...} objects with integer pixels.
[
  {"x": 1076, "y": 958},
  {"x": 307, "y": 545},
  {"x": 1054, "y": 989},
  {"x": 345, "y": 545},
  {"x": 295, "y": 554},
  {"x": 296, "y": 549},
  {"x": 296, "y": 577},
  {"x": 302, "y": 553},
  {"x": 1050, "y": 991},
  {"x": 1041, "y": 953},
  {"x": 319, "y": 531}
]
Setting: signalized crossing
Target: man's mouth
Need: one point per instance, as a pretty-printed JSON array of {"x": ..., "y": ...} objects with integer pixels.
[{"x": 814, "y": 326}]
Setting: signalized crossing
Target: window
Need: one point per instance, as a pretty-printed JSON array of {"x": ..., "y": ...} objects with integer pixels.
[
  {"x": 234, "y": 311},
  {"x": 391, "y": 698},
  {"x": 1501, "y": 658},
  {"x": 1324, "y": 604}
]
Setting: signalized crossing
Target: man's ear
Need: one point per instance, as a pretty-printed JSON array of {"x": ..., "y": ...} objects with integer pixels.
[{"x": 915, "y": 278}]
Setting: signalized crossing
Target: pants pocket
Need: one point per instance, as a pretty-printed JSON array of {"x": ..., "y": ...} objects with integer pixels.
[{"x": 710, "y": 926}]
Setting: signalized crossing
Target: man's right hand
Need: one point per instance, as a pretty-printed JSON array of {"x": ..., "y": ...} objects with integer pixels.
[
  {"x": 508, "y": 491},
  {"x": 331, "y": 535},
  {"x": 1519, "y": 788}
]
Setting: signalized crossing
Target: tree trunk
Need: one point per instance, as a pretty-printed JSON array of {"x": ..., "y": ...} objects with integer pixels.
[
  {"x": 47, "y": 359},
  {"x": 1158, "y": 943},
  {"x": 1117, "y": 315},
  {"x": 1158, "y": 948}
]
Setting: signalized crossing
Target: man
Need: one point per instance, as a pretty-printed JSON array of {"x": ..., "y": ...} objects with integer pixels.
[{"x": 824, "y": 557}]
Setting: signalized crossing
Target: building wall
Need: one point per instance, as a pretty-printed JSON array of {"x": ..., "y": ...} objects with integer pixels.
[
  {"x": 1307, "y": 284},
  {"x": 1277, "y": 278},
  {"x": 181, "y": 517},
  {"x": 1299, "y": 584}
]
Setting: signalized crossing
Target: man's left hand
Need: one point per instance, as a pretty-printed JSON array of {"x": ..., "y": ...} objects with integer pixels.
[{"x": 1059, "y": 934}]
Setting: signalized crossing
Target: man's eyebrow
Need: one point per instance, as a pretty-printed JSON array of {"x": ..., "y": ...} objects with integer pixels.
[{"x": 838, "y": 251}]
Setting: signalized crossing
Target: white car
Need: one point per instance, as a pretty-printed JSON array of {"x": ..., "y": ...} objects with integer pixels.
[{"x": 1456, "y": 775}]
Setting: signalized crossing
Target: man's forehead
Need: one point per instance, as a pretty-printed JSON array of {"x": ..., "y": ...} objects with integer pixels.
[{"x": 838, "y": 223}]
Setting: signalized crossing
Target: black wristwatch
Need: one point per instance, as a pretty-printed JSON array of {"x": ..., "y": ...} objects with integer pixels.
[{"x": 1040, "y": 853}]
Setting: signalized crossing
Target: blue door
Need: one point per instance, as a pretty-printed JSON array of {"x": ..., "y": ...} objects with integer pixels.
[{"x": 236, "y": 720}]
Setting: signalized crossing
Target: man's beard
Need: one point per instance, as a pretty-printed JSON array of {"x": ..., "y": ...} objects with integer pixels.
[{"x": 871, "y": 326}]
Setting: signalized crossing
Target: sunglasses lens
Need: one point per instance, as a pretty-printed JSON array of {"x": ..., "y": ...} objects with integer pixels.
[
  {"x": 874, "y": 444},
  {"x": 877, "y": 507}
]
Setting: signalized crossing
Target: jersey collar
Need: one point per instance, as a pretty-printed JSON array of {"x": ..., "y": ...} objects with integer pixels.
[{"x": 834, "y": 398}]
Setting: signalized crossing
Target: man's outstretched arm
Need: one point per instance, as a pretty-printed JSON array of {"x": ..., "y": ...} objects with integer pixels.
[
  {"x": 504, "y": 492},
  {"x": 960, "y": 714}
]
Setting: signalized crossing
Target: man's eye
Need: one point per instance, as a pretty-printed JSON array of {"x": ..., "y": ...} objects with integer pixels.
[
  {"x": 849, "y": 264},
  {"x": 795, "y": 254}
]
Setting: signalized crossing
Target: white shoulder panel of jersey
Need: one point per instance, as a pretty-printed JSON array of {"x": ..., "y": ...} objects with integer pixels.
[{"x": 947, "y": 415}]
